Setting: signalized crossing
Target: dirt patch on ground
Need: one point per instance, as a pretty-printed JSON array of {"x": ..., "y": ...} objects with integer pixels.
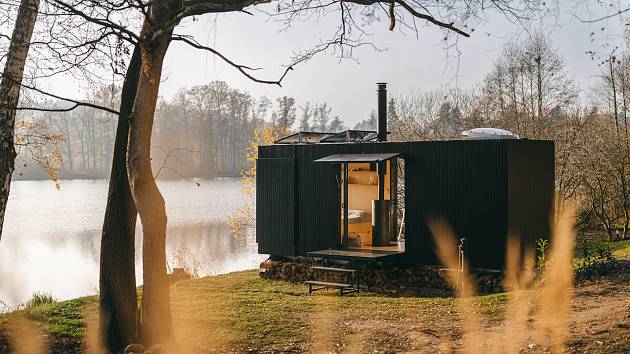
[
  {"x": 600, "y": 320},
  {"x": 599, "y": 323}
]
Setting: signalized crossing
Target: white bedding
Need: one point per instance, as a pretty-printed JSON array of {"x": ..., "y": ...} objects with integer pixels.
[{"x": 357, "y": 216}]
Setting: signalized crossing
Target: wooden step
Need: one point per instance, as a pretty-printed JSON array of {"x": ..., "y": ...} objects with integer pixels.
[
  {"x": 328, "y": 285},
  {"x": 314, "y": 285},
  {"x": 333, "y": 269}
]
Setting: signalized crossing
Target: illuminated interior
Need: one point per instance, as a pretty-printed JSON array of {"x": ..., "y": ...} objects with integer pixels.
[{"x": 362, "y": 189}]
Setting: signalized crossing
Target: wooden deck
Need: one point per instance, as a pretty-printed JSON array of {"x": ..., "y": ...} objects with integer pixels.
[{"x": 356, "y": 254}]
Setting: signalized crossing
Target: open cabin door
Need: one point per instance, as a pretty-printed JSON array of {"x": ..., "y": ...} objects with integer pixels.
[
  {"x": 275, "y": 206},
  {"x": 368, "y": 186}
]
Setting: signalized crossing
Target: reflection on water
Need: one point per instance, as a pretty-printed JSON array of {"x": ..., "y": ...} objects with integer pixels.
[
  {"x": 210, "y": 249},
  {"x": 51, "y": 238}
]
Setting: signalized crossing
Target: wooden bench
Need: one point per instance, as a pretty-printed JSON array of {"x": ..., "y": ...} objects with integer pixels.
[{"x": 344, "y": 288}]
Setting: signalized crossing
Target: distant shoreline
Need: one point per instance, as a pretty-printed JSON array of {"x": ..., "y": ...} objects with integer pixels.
[{"x": 95, "y": 178}]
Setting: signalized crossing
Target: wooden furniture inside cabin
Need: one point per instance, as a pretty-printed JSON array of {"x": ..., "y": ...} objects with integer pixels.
[{"x": 362, "y": 189}]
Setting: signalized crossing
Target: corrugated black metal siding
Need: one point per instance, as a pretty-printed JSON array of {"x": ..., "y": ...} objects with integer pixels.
[
  {"x": 277, "y": 151},
  {"x": 530, "y": 189},
  {"x": 465, "y": 181},
  {"x": 319, "y": 213},
  {"x": 275, "y": 206}
]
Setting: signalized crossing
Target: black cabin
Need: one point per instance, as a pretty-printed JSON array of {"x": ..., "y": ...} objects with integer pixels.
[{"x": 347, "y": 196}]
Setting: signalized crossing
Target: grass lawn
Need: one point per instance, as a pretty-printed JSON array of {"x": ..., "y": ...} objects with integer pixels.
[
  {"x": 64, "y": 322},
  {"x": 619, "y": 249},
  {"x": 241, "y": 312}
]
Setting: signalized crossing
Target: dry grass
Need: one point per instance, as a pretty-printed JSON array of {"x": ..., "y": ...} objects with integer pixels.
[
  {"x": 537, "y": 312},
  {"x": 241, "y": 312}
]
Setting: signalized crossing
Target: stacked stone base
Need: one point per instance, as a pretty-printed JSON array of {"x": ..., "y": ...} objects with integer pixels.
[{"x": 395, "y": 279}]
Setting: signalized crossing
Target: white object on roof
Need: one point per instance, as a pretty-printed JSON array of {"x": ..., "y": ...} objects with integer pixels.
[{"x": 489, "y": 133}]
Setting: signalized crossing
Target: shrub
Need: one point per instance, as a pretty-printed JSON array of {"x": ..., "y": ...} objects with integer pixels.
[
  {"x": 594, "y": 261},
  {"x": 39, "y": 299}
]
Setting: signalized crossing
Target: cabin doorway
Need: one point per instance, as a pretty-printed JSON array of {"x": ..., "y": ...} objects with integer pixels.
[{"x": 370, "y": 217}]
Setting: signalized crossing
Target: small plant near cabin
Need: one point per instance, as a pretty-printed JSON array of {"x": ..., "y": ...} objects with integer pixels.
[{"x": 541, "y": 253}]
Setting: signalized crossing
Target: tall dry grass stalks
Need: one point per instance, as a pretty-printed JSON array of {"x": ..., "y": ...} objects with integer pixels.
[
  {"x": 519, "y": 274},
  {"x": 447, "y": 251},
  {"x": 537, "y": 311},
  {"x": 556, "y": 286},
  {"x": 25, "y": 337}
]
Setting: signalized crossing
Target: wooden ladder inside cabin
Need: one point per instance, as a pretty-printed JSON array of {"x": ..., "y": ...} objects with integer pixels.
[{"x": 349, "y": 286}]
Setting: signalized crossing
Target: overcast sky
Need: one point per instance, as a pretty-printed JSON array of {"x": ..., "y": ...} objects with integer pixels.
[{"x": 348, "y": 86}]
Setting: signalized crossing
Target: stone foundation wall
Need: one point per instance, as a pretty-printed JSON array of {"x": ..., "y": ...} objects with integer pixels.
[{"x": 390, "y": 278}]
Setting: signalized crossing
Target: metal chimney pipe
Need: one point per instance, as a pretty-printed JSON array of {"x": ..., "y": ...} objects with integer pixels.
[
  {"x": 382, "y": 111},
  {"x": 381, "y": 207}
]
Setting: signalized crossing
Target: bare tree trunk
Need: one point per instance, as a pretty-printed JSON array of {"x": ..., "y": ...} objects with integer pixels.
[
  {"x": 67, "y": 143},
  {"x": 532, "y": 105},
  {"x": 514, "y": 103},
  {"x": 118, "y": 298},
  {"x": 539, "y": 91},
  {"x": 614, "y": 92},
  {"x": 10, "y": 94},
  {"x": 157, "y": 324},
  {"x": 625, "y": 160}
]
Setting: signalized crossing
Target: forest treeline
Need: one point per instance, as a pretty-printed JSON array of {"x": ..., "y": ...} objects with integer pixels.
[
  {"x": 530, "y": 92},
  {"x": 202, "y": 131}
]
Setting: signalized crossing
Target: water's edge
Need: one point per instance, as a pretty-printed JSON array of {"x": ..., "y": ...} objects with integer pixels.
[{"x": 51, "y": 238}]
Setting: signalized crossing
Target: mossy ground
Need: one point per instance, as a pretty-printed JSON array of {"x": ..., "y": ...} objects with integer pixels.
[{"x": 61, "y": 323}]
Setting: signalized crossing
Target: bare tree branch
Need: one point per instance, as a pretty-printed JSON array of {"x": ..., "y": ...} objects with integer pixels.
[
  {"x": 104, "y": 22},
  {"x": 75, "y": 105},
  {"x": 619, "y": 12},
  {"x": 242, "y": 68},
  {"x": 449, "y": 26}
]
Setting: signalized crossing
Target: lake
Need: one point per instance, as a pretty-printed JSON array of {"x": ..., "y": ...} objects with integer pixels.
[{"x": 51, "y": 237}]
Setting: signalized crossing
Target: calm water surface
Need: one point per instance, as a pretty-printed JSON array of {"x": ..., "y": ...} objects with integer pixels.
[{"x": 51, "y": 238}]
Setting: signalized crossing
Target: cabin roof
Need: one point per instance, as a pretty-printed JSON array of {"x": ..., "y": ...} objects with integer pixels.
[
  {"x": 350, "y": 136},
  {"x": 359, "y": 157},
  {"x": 346, "y": 136},
  {"x": 303, "y": 137}
]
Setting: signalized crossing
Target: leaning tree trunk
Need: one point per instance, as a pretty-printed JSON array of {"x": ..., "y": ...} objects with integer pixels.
[
  {"x": 10, "y": 94},
  {"x": 118, "y": 298},
  {"x": 157, "y": 324}
]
